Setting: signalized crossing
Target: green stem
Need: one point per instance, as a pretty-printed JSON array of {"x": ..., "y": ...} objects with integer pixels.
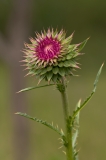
[{"x": 69, "y": 149}]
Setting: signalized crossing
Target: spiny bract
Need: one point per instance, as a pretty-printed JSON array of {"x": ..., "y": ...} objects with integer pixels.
[{"x": 50, "y": 55}]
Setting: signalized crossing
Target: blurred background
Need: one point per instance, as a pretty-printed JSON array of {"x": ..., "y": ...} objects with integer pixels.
[{"x": 20, "y": 138}]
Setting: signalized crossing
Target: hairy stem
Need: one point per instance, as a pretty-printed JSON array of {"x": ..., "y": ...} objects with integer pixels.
[{"x": 69, "y": 149}]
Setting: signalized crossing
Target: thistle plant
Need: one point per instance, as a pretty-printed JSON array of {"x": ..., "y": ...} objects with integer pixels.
[{"x": 52, "y": 57}]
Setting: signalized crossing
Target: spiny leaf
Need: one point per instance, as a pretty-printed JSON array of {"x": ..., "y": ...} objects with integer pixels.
[
  {"x": 68, "y": 56},
  {"x": 72, "y": 54},
  {"x": 72, "y": 47},
  {"x": 35, "y": 87},
  {"x": 73, "y": 64},
  {"x": 55, "y": 70},
  {"x": 97, "y": 77},
  {"x": 61, "y": 64},
  {"x": 81, "y": 45},
  {"x": 38, "y": 71},
  {"x": 66, "y": 64},
  {"x": 49, "y": 75},
  {"x": 76, "y": 155},
  {"x": 90, "y": 96},
  {"x": 41, "y": 78},
  {"x": 75, "y": 135},
  {"x": 54, "y": 78},
  {"x": 68, "y": 39},
  {"x": 62, "y": 71},
  {"x": 44, "y": 70},
  {"x": 77, "y": 117},
  {"x": 42, "y": 122},
  {"x": 49, "y": 68},
  {"x": 76, "y": 125}
]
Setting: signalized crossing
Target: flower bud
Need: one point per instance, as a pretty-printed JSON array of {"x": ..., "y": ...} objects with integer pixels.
[{"x": 50, "y": 55}]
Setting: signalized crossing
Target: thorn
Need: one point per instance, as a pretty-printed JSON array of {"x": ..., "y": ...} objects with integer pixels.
[
  {"x": 27, "y": 74},
  {"x": 48, "y": 82},
  {"x": 60, "y": 147},
  {"x": 16, "y": 113},
  {"x": 18, "y": 92},
  {"x": 39, "y": 82},
  {"x": 57, "y": 126},
  {"x": 62, "y": 131},
  {"x": 103, "y": 64},
  {"x": 64, "y": 152},
  {"x": 74, "y": 129},
  {"x": 60, "y": 139}
]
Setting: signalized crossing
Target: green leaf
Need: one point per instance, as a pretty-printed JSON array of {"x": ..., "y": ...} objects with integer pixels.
[
  {"x": 38, "y": 71},
  {"x": 68, "y": 56},
  {"x": 54, "y": 78},
  {"x": 77, "y": 117},
  {"x": 49, "y": 75},
  {"x": 59, "y": 59},
  {"x": 64, "y": 58},
  {"x": 67, "y": 70},
  {"x": 76, "y": 54},
  {"x": 73, "y": 64},
  {"x": 90, "y": 96},
  {"x": 76, "y": 155},
  {"x": 67, "y": 63},
  {"x": 76, "y": 131},
  {"x": 55, "y": 64},
  {"x": 68, "y": 39},
  {"x": 72, "y": 47},
  {"x": 61, "y": 64},
  {"x": 97, "y": 77},
  {"x": 72, "y": 54},
  {"x": 60, "y": 132},
  {"x": 43, "y": 71},
  {"x": 49, "y": 68},
  {"x": 35, "y": 87},
  {"x": 76, "y": 123},
  {"x": 41, "y": 78},
  {"x": 55, "y": 70},
  {"x": 82, "y": 44},
  {"x": 62, "y": 71},
  {"x": 74, "y": 138},
  {"x": 31, "y": 72}
]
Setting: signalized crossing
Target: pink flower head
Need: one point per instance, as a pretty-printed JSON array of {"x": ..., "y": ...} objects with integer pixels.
[
  {"x": 48, "y": 49},
  {"x": 50, "y": 55}
]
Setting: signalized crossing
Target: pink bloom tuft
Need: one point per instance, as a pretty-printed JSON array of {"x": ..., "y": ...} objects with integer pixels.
[
  {"x": 50, "y": 55},
  {"x": 47, "y": 48}
]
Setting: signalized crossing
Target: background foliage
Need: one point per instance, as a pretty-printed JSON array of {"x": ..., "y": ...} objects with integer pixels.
[{"x": 86, "y": 18}]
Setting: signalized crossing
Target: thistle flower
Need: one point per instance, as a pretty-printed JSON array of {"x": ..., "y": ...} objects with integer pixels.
[{"x": 50, "y": 55}]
